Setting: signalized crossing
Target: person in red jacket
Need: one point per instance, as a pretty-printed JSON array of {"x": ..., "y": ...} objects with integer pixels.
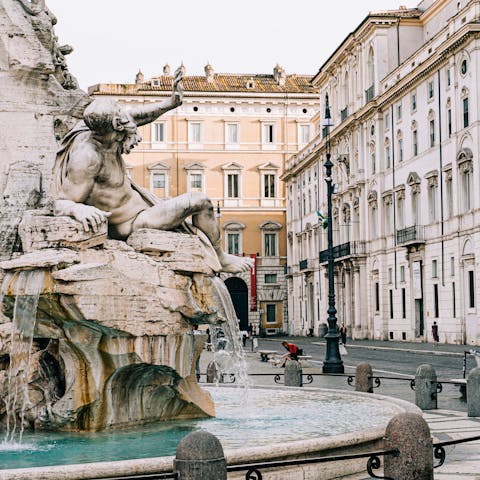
[{"x": 293, "y": 352}]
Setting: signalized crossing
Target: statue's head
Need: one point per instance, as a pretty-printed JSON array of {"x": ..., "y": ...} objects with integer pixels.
[{"x": 104, "y": 116}]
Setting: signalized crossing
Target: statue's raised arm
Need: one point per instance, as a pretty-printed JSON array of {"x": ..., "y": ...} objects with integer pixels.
[{"x": 147, "y": 114}]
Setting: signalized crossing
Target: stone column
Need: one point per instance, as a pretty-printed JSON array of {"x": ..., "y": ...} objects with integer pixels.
[
  {"x": 348, "y": 300},
  {"x": 426, "y": 387},
  {"x": 293, "y": 374},
  {"x": 410, "y": 435},
  {"x": 200, "y": 456},
  {"x": 473, "y": 393},
  {"x": 363, "y": 378},
  {"x": 357, "y": 298}
]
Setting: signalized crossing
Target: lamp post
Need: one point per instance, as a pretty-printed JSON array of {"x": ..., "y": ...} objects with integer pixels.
[{"x": 333, "y": 362}]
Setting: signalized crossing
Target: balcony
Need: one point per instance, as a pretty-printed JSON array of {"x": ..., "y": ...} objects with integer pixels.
[
  {"x": 344, "y": 250},
  {"x": 411, "y": 235},
  {"x": 305, "y": 265},
  {"x": 369, "y": 94},
  {"x": 344, "y": 114}
]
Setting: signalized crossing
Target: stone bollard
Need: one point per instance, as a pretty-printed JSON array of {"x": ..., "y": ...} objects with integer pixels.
[
  {"x": 213, "y": 373},
  {"x": 426, "y": 387},
  {"x": 473, "y": 393},
  {"x": 293, "y": 374},
  {"x": 200, "y": 456},
  {"x": 410, "y": 435},
  {"x": 363, "y": 378}
]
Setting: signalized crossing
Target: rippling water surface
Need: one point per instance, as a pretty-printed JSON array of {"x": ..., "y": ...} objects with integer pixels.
[{"x": 244, "y": 419}]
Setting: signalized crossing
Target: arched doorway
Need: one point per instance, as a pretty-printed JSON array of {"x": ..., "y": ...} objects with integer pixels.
[{"x": 239, "y": 292}]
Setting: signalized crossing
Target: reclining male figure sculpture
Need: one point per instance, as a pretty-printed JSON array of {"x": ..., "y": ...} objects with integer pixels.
[{"x": 90, "y": 182}]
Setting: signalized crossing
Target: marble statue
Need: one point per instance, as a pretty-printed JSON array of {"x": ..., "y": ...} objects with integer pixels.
[{"x": 90, "y": 182}]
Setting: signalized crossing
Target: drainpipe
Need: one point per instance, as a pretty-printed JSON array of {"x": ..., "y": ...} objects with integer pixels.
[{"x": 394, "y": 204}]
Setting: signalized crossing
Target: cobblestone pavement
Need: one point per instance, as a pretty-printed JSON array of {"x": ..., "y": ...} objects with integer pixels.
[{"x": 462, "y": 460}]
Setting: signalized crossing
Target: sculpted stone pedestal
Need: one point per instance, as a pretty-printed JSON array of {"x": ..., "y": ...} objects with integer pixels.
[{"x": 113, "y": 326}]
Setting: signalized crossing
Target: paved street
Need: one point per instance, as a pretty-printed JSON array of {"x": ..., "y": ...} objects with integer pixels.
[{"x": 449, "y": 422}]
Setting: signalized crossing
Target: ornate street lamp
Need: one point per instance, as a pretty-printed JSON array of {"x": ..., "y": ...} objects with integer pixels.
[{"x": 333, "y": 362}]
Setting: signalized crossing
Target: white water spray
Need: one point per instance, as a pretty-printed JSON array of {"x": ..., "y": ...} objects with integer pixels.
[{"x": 27, "y": 291}]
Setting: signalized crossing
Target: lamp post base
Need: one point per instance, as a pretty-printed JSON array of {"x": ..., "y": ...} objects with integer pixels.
[{"x": 333, "y": 362}]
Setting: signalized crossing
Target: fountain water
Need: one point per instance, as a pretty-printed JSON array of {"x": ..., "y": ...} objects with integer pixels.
[
  {"x": 229, "y": 354},
  {"x": 27, "y": 288}
]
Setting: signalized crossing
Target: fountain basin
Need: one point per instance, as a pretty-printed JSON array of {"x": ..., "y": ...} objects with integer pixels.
[{"x": 276, "y": 423}]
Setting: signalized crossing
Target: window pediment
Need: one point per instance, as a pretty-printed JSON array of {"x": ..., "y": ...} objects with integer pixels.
[
  {"x": 372, "y": 196},
  {"x": 195, "y": 166},
  {"x": 413, "y": 179},
  {"x": 271, "y": 225},
  {"x": 268, "y": 166},
  {"x": 233, "y": 226},
  {"x": 158, "y": 166},
  {"x": 232, "y": 166},
  {"x": 464, "y": 155}
]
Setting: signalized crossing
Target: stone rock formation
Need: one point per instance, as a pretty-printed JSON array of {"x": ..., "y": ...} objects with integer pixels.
[{"x": 94, "y": 332}]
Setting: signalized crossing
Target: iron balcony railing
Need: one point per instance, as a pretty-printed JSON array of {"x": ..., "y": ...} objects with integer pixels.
[
  {"x": 369, "y": 93},
  {"x": 344, "y": 250},
  {"x": 409, "y": 235},
  {"x": 344, "y": 114}
]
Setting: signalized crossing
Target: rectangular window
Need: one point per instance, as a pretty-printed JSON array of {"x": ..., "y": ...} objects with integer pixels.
[
  {"x": 196, "y": 181},
  {"x": 232, "y": 185},
  {"x": 432, "y": 133},
  {"x": 400, "y": 150},
  {"x": 390, "y": 292},
  {"x": 449, "y": 77},
  {"x": 304, "y": 133},
  {"x": 268, "y": 133},
  {"x": 387, "y": 120},
  {"x": 449, "y": 193},
  {"x": 465, "y": 112},
  {"x": 159, "y": 132},
  {"x": 452, "y": 266},
  {"x": 233, "y": 243},
  {"x": 158, "y": 180},
  {"x": 434, "y": 269},
  {"x": 467, "y": 191},
  {"x": 404, "y": 303},
  {"x": 270, "y": 244},
  {"x": 435, "y": 300},
  {"x": 387, "y": 156},
  {"x": 402, "y": 273},
  {"x": 374, "y": 165},
  {"x": 415, "y": 143},
  {"x": 454, "y": 301},
  {"x": 232, "y": 133},
  {"x": 471, "y": 289},
  {"x": 270, "y": 278},
  {"x": 449, "y": 122},
  {"x": 377, "y": 297},
  {"x": 432, "y": 193},
  {"x": 414, "y": 101},
  {"x": 195, "y": 133},
  {"x": 399, "y": 112},
  {"x": 271, "y": 312},
  {"x": 390, "y": 275},
  {"x": 269, "y": 185},
  {"x": 430, "y": 89}
]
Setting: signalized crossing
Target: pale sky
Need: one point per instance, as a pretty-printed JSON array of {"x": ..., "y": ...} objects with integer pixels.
[{"x": 112, "y": 39}]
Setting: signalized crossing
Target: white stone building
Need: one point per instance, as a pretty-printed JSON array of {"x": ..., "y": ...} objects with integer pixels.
[{"x": 403, "y": 90}]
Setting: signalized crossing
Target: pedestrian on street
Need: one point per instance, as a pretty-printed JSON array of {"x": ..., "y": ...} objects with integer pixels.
[
  {"x": 343, "y": 333},
  {"x": 435, "y": 334}
]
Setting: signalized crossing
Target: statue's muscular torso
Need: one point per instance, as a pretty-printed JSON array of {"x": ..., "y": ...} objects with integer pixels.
[{"x": 96, "y": 176}]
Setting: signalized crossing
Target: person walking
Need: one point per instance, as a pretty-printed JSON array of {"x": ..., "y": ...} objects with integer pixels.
[
  {"x": 343, "y": 333},
  {"x": 435, "y": 334}
]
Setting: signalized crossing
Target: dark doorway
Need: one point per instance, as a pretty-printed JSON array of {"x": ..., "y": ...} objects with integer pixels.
[{"x": 239, "y": 292}]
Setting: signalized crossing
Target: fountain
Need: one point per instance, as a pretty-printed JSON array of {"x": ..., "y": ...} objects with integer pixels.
[{"x": 96, "y": 325}]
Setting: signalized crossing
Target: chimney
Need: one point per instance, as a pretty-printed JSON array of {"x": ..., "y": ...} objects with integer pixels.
[
  {"x": 279, "y": 75},
  {"x": 139, "y": 77},
  {"x": 209, "y": 73},
  {"x": 166, "y": 70}
]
